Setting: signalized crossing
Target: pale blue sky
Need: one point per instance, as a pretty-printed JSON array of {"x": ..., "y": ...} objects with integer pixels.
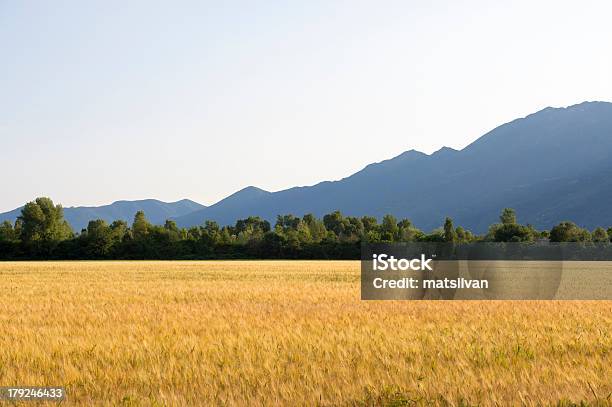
[{"x": 108, "y": 100}]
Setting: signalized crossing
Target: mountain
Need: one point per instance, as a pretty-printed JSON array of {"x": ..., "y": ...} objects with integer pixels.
[
  {"x": 238, "y": 205},
  {"x": 550, "y": 166},
  {"x": 156, "y": 211}
]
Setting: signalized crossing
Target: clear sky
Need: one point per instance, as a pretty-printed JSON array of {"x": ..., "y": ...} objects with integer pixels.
[{"x": 108, "y": 100}]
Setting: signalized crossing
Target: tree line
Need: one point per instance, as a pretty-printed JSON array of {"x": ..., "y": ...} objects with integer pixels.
[{"x": 41, "y": 232}]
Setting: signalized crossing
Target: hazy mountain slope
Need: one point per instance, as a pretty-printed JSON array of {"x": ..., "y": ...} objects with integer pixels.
[
  {"x": 10, "y": 215},
  {"x": 550, "y": 166},
  {"x": 238, "y": 204},
  {"x": 156, "y": 211}
]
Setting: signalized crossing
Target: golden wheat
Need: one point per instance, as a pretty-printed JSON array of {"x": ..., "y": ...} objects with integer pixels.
[{"x": 286, "y": 333}]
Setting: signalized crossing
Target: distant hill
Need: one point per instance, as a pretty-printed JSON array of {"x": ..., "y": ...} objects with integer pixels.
[
  {"x": 550, "y": 166},
  {"x": 156, "y": 211},
  {"x": 226, "y": 211}
]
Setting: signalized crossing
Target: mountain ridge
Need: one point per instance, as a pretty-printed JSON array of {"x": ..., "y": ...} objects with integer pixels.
[
  {"x": 156, "y": 211},
  {"x": 544, "y": 165},
  {"x": 523, "y": 156}
]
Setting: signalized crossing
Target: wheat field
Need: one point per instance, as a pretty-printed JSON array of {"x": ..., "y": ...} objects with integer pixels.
[{"x": 287, "y": 333}]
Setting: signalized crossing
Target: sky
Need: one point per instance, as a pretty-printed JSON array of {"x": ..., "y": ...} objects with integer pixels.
[{"x": 109, "y": 100}]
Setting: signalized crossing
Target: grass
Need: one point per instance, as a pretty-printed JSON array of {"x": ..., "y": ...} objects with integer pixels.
[{"x": 287, "y": 333}]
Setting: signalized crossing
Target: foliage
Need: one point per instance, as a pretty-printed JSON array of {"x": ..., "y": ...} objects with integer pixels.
[
  {"x": 449, "y": 232},
  {"x": 600, "y": 235},
  {"x": 42, "y": 233},
  {"x": 43, "y": 221},
  {"x": 569, "y": 232}
]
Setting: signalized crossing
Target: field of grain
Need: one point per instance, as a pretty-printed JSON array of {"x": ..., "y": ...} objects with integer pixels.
[{"x": 287, "y": 333}]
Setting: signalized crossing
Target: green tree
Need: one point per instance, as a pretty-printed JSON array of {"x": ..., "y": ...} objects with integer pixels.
[
  {"x": 508, "y": 217},
  {"x": 172, "y": 231},
  {"x": 99, "y": 238},
  {"x": 303, "y": 232},
  {"x": 389, "y": 229},
  {"x": 294, "y": 229},
  {"x": 41, "y": 220},
  {"x": 315, "y": 226},
  {"x": 287, "y": 222},
  {"x": 335, "y": 222},
  {"x": 407, "y": 232},
  {"x": 463, "y": 235},
  {"x": 210, "y": 234},
  {"x": 436, "y": 235},
  {"x": 354, "y": 230},
  {"x": 600, "y": 235},
  {"x": 370, "y": 224},
  {"x": 226, "y": 235},
  {"x": 512, "y": 232},
  {"x": 449, "y": 230},
  {"x": 18, "y": 227},
  {"x": 120, "y": 231},
  {"x": 569, "y": 232},
  {"x": 251, "y": 229},
  {"x": 509, "y": 230},
  {"x": 372, "y": 236},
  {"x": 141, "y": 226},
  {"x": 7, "y": 233}
]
